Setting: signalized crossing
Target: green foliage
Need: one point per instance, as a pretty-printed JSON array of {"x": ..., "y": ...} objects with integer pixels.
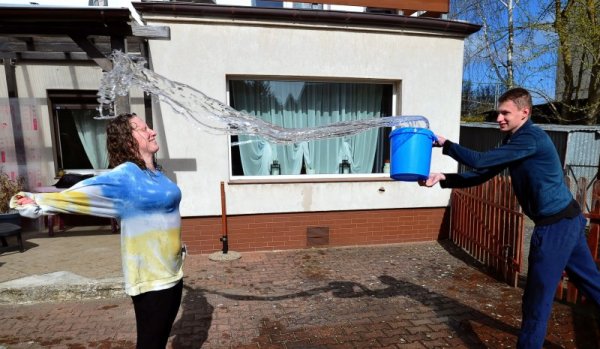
[
  {"x": 473, "y": 118},
  {"x": 8, "y": 188},
  {"x": 577, "y": 24},
  {"x": 477, "y": 100}
]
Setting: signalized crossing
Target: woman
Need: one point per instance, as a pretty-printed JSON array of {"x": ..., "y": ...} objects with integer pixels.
[{"x": 147, "y": 204}]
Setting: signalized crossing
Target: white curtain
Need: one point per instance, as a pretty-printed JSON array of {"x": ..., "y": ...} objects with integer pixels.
[
  {"x": 92, "y": 134},
  {"x": 344, "y": 102},
  {"x": 255, "y": 98},
  {"x": 294, "y": 104}
]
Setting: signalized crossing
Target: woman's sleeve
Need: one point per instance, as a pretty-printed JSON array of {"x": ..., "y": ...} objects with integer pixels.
[{"x": 102, "y": 196}]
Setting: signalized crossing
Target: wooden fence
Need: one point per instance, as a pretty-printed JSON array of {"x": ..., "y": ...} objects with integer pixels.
[{"x": 487, "y": 222}]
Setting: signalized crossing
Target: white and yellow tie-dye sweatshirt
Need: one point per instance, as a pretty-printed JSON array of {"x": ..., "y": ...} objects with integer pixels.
[{"x": 147, "y": 205}]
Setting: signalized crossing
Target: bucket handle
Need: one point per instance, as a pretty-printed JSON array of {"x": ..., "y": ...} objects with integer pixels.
[{"x": 407, "y": 136}]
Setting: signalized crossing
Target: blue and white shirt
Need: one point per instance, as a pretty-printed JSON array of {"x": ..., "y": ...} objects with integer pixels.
[{"x": 147, "y": 205}]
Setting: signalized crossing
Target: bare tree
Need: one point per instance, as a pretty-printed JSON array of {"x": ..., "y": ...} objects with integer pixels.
[
  {"x": 578, "y": 85},
  {"x": 522, "y": 42},
  {"x": 494, "y": 47},
  {"x": 500, "y": 55}
]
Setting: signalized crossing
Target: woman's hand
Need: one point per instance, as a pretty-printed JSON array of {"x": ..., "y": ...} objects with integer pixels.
[
  {"x": 26, "y": 205},
  {"x": 24, "y": 200},
  {"x": 433, "y": 179}
]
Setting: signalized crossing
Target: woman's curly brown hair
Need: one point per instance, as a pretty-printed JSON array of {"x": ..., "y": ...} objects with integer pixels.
[{"x": 121, "y": 145}]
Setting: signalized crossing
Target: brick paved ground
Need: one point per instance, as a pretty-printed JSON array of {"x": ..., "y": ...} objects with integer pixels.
[{"x": 424, "y": 295}]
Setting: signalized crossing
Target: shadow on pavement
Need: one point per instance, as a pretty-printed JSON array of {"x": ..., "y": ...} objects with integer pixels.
[
  {"x": 463, "y": 256},
  {"x": 582, "y": 314},
  {"x": 460, "y": 316},
  {"x": 472, "y": 327},
  {"x": 191, "y": 330},
  {"x": 587, "y": 324}
]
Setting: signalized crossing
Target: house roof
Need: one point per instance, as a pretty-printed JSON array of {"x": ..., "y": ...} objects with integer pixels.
[
  {"x": 67, "y": 34},
  {"x": 308, "y": 16}
]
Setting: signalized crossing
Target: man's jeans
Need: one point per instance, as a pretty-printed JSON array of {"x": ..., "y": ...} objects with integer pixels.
[{"x": 554, "y": 248}]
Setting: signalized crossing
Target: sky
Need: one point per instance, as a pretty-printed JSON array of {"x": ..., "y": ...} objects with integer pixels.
[{"x": 534, "y": 55}]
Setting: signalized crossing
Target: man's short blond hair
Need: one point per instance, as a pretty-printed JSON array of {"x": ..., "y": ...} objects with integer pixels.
[{"x": 519, "y": 96}]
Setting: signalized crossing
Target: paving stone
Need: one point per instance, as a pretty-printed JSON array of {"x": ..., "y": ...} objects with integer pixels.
[{"x": 433, "y": 296}]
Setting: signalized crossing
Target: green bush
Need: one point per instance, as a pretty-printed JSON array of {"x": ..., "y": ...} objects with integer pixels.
[{"x": 8, "y": 188}]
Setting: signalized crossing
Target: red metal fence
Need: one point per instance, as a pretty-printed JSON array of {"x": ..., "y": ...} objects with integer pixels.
[
  {"x": 487, "y": 223},
  {"x": 566, "y": 291}
]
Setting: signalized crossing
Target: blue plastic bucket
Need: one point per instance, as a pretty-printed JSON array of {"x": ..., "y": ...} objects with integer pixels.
[{"x": 410, "y": 153}]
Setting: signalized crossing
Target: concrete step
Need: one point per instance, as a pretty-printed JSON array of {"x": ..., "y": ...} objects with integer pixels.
[{"x": 59, "y": 286}]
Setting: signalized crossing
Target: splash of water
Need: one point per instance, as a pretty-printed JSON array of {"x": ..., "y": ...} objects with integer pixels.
[{"x": 215, "y": 116}]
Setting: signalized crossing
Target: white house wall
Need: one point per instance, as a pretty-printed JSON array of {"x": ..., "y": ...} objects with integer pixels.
[
  {"x": 3, "y": 87},
  {"x": 203, "y": 53}
]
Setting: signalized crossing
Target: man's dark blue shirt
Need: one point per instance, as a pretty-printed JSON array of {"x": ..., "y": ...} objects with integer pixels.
[{"x": 534, "y": 167}]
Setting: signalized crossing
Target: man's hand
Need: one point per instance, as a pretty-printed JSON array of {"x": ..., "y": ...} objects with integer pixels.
[
  {"x": 440, "y": 141},
  {"x": 433, "y": 179}
]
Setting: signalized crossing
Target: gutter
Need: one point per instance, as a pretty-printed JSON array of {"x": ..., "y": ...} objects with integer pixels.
[{"x": 304, "y": 16}]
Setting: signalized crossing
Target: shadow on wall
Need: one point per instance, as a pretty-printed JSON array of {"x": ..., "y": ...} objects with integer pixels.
[{"x": 444, "y": 229}]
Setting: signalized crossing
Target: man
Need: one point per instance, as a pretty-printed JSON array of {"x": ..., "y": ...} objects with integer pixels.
[{"x": 558, "y": 242}]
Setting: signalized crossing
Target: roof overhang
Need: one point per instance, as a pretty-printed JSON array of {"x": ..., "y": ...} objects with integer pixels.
[
  {"x": 83, "y": 34},
  {"x": 52, "y": 20},
  {"x": 67, "y": 34},
  {"x": 307, "y": 16}
]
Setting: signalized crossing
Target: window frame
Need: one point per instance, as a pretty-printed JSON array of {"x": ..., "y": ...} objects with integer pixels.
[
  {"x": 68, "y": 99},
  {"x": 267, "y": 4},
  {"x": 311, "y": 178}
]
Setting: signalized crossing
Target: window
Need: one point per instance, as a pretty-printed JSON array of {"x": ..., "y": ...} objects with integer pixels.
[
  {"x": 267, "y": 3},
  {"x": 378, "y": 10},
  {"x": 79, "y": 140},
  {"x": 299, "y": 104},
  {"x": 308, "y": 6}
]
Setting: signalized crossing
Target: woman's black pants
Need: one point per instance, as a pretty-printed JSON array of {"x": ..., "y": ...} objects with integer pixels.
[{"x": 155, "y": 313}]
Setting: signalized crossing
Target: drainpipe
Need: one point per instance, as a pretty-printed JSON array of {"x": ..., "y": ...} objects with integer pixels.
[{"x": 223, "y": 238}]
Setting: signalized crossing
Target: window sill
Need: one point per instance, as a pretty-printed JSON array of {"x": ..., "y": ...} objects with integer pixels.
[
  {"x": 286, "y": 179},
  {"x": 95, "y": 172}
]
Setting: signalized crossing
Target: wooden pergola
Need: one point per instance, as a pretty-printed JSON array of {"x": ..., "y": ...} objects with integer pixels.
[
  {"x": 35, "y": 33},
  {"x": 58, "y": 35}
]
